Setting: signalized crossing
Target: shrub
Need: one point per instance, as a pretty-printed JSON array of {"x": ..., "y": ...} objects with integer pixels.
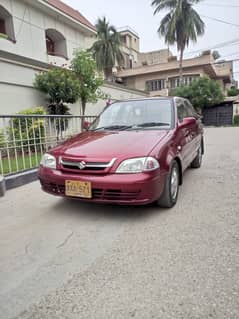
[
  {"x": 27, "y": 132},
  {"x": 2, "y": 144},
  {"x": 233, "y": 92},
  {"x": 236, "y": 120},
  {"x": 202, "y": 92}
]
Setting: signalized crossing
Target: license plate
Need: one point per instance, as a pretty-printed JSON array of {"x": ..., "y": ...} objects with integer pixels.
[{"x": 78, "y": 189}]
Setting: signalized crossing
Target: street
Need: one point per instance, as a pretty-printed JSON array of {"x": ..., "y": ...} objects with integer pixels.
[{"x": 66, "y": 259}]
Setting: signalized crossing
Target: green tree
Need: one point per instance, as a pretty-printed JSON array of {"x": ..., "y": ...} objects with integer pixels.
[
  {"x": 233, "y": 91},
  {"x": 61, "y": 86},
  {"x": 202, "y": 92},
  {"x": 84, "y": 66},
  {"x": 180, "y": 25},
  {"x": 106, "y": 50}
]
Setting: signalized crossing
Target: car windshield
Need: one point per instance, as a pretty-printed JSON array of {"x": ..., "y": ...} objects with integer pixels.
[{"x": 142, "y": 114}]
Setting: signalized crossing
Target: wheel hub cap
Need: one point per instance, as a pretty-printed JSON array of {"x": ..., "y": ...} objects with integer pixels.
[{"x": 174, "y": 183}]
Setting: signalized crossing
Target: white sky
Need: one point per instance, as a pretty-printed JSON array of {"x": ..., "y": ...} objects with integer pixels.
[{"x": 138, "y": 14}]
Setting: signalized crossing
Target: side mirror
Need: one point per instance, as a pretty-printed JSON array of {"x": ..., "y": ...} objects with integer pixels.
[
  {"x": 188, "y": 121},
  {"x": 86, "y": 125}
]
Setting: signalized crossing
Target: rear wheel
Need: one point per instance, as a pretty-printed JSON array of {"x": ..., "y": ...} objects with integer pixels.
[
  {"x": 170, "y": 193},
  {"x": 197, "y": 162}
]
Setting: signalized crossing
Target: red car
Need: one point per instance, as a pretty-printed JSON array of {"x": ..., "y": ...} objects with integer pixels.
[{"x": 134, "y": 153}]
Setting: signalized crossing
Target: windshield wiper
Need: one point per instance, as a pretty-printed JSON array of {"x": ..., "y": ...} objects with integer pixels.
[
  {"x": 152, "y": 124},
  {"x": 113, "y": 127}
]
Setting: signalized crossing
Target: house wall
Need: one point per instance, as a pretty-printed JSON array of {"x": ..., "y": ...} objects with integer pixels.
[
  {"x": 139, "y": 81},
  {"x": 30, "y": 23},
  {"x": 18, "y": 93},
  {"x": 154, "y": 57},
  {"x": 236, "y": 109}
]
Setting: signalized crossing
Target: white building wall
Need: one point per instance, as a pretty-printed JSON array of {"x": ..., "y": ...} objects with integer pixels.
[
  {"x": 18, "y": 93},
  {"x": 30, "y": 24}
]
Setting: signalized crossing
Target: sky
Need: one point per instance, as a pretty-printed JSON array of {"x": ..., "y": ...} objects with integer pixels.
[{"x": 138, "y": 14}]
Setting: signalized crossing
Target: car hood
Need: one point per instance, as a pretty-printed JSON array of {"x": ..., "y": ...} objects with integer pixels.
[{"x": 110, "y": 144}]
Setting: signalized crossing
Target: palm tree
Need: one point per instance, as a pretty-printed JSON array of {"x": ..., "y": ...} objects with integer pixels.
[
  {"x": 106, "y": 50},
  {"x": 180, "y": 25}
]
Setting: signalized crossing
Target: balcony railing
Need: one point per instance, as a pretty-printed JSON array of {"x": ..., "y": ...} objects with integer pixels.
[{"x": 24, "y": 138}]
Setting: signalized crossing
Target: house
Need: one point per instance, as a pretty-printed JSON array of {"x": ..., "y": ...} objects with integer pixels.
[
  {"x": 46, "y": 31},
  {"x": 157, "y": 72},
  {"x": 35, "y": 35},
  {"x": 129, "y": 46}
]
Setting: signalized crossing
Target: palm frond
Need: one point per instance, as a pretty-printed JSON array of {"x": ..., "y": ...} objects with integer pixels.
[
  {"x": 163, "y": 4},
  {"x": 181, "y": 24}
]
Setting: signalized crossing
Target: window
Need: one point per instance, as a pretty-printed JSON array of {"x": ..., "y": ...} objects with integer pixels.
[
  {"x": 6, "y": 25},
  {"x": 2, "y": 26},
  {"x": 190, "y": 110},
  {"x": 50, "y": 45},
  {"x": 123, "y": 39},
  {"x": 55, "y": 43},
  {"x": 155, "y": 85},
  {"x": 137, "y": 112},
  {"x": 187, "y": 80},
  {"x": 181, "y": 109}
]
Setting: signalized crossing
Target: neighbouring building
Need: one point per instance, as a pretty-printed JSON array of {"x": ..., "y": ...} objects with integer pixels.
[
  {"x": 157, "y": 72},
  {"x": 129, "y": 46},
  {"x": 33, "y": 36}
]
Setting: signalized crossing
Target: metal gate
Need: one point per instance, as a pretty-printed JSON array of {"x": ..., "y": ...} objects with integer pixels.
[{"x": 219, "y": 115}]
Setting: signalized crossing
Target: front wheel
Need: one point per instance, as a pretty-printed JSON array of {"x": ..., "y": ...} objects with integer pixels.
[
  {"x": 197, "y": 162},
  {"x": 171, "y": 187}
]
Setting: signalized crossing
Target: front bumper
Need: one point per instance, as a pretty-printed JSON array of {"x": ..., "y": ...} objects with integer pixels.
[{"x": 122, "y": 189}]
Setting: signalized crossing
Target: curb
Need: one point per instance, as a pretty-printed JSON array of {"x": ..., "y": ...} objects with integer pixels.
[
  {"x": 2, "y": 186},
  {"x": 19, "y": 179}
]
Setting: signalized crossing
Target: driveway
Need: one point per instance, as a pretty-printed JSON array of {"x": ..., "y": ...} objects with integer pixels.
[{"x": 66, "y": 259}]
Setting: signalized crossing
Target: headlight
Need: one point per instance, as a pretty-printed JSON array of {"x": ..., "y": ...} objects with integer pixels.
[
  {"x": 138, "y": 165},
  {"x": 48, "y": 161}
]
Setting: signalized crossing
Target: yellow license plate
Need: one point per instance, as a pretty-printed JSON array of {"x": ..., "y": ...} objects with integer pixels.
[{"x": 78, "y": 189}]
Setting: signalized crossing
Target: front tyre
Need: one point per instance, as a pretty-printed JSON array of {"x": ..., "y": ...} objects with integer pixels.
[
  {"x": 197, "y": 162},
  {"x": 170, "y": 193}
]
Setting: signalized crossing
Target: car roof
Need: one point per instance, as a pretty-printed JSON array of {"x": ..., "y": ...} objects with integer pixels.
[{"x": 151, "y": 98}]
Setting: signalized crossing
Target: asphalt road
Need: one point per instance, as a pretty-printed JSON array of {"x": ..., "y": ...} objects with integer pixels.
[{"x": 62, "y": 259}]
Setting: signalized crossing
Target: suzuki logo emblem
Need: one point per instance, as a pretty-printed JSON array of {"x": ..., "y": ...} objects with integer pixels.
[{"x": 81, "y": 165}]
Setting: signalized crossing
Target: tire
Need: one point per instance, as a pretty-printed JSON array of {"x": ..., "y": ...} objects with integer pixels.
[
  {"x": 197, "y": 162},
  {"x": 171, "y": 187}
]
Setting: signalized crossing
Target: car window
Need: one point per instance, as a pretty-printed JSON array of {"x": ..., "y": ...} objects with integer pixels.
[
  {"x": 137, "y": 112},
  {"x": 181, "y": 109},
  {"x": 190, "y": 110}
]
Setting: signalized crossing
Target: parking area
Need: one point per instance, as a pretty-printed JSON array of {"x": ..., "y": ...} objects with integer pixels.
[{"x": 66, "y": 259}]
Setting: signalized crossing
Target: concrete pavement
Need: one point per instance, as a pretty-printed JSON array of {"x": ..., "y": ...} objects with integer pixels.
[{"x": 66, "y": 259}]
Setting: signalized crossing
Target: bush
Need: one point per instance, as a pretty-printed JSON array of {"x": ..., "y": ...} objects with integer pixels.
[
  {"x": 236, "y": 120},
  {"x": 2, "y": 143},
  {"x": 202, "y": 92},
  {"x": 233, "y": 92},
  {"x": 27, "y": 132}
]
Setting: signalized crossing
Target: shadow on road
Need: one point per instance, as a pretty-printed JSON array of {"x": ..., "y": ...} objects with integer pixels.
[{"x": 85, "y": 210}]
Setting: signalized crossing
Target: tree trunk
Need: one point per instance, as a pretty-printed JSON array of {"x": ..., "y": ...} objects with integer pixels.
[
  {"x": 108, "y": 74},
  {"x": 181, "y": 67},
  {"x": 83, "y": 106}
]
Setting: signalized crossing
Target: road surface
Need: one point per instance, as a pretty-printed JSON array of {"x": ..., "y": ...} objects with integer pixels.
[{"x": 62, "y": 259}]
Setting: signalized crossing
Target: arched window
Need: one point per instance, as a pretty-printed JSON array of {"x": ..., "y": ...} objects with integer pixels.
[
  {"x": 6, "y": 25},
  {"x": 56, "y": 43}
]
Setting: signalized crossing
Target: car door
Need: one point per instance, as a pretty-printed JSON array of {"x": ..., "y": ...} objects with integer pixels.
[
  {"x": 183, "y": 135},
  {"x": 195, "y": 129}
]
